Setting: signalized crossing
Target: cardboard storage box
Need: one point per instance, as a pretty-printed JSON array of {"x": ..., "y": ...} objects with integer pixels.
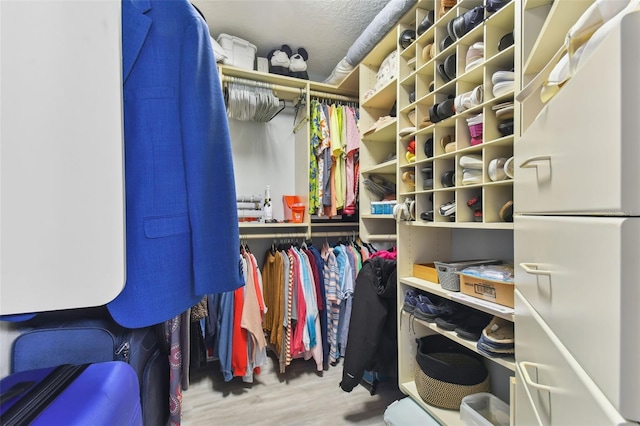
[
  {"x": 499, "y": 292},
  {"x": 426, "y": 271}
]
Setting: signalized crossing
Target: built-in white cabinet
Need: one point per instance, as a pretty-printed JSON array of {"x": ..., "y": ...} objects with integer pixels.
[
  {"x": 580, "y": 274},
  {"x": 62, "y": 225},
  {"x": 577, "y": 230},
  {"x": 580, "y": 154},
  {"x": 557, "y": 389}
]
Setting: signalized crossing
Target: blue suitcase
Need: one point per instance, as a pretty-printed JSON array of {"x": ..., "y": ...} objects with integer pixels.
[
  {"x": 90, "y": 335},
  {"x": 103, "y": 394}
]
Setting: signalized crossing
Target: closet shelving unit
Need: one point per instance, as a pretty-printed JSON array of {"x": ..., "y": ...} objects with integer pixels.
[
  {"x": 294, "y": 91},
  {"x": 420, "y": 241},
  {"x": 378, "y": 149}
]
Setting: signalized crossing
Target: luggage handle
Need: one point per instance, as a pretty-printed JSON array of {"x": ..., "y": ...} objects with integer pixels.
[{"x": 15, "y": 390}]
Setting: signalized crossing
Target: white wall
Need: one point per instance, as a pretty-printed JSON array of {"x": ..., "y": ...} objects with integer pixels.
[{"x": 263, "y": 155}]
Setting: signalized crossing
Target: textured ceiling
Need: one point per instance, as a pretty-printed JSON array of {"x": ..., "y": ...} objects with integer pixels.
[{"x": 326, "y": 28}]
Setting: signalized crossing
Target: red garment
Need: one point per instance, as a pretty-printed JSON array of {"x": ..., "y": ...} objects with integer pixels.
[
  {"x": 386, "y": 254},
  {"x": 239, "y": 339},
  {"x": 297, "y": 344}
]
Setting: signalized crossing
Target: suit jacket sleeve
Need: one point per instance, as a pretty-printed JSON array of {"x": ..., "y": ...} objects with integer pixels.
[{"x": 209, "y": 167}]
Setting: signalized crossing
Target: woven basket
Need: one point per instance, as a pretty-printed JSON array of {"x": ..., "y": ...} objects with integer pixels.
[
  {"x": 446, "y": 372},
  {"x": 446, "y": 395}
]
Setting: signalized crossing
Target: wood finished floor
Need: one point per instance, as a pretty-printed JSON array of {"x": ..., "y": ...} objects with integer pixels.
[{"x": 300, "y": 396}]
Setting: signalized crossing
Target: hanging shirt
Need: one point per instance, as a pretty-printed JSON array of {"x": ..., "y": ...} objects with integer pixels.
[
  {"x": 353, "y": 144},
  {"x": 274, "y": 294},
  {"x": 314, "y": 145},
  {"x": 337, "y": 151},
  {"x": 332, "y": 286},
  {"x": 300, "y": 333},
  {"x": 225, "y": 335},
  {"x": 239, "y": 345},
  {"x": 327, "y": 162},
  {"x": 344, "y": 294},
  {"x": 318, "y": 273},
  {"x": 252, "y": 319}
]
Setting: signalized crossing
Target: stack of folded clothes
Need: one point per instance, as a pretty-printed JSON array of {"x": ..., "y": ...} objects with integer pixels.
[{"x": 497, "y": 339}]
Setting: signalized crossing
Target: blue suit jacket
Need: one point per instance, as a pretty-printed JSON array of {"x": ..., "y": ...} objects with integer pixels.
[{"x": 181, "y": 220}]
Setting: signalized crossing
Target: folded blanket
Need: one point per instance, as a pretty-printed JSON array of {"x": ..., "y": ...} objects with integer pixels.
[{"x": 386, "y": 19}]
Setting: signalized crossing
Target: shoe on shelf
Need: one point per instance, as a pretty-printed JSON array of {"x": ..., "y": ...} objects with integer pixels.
[
  {"x": 454, "y": 317},
  {"x": 472, "y": 327},
  {"x": 447, "y": 209},
  {"x": 475, "y": 56},
  {"x": 498, "y": 334},
  {"x": 381, "y": 122},
  {"x": 426, "y": 310},
  {"x": 410, "y": 299},
  {"x": 468, "y": 100}
]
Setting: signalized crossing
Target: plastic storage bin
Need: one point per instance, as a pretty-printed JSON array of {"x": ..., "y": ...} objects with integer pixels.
[
  {"x": 407, "y": 412},
  {"x": 293, "y": 208},
  {"x": 382, "y": 207},
  {"x": 484, "y": 409},
  {"x": 448, "y": 271},
  {"x": 240, "y": 53}
]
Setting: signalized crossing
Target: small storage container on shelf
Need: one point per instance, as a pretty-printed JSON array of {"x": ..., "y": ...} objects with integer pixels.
[
  {"x": 500, "y": 292},
  {"x": 484, "y": 409},
  {"x": 448, "y": 271},
  {"x": 240, "y": 53}
]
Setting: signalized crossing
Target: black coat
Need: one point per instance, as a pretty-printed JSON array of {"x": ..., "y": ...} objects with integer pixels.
[{"x": 372, "y": 344}]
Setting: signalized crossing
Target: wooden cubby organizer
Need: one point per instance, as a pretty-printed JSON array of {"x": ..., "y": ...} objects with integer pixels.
[
  {"x": 465, "y": 237},
  {"x": 378, "y": 148}
]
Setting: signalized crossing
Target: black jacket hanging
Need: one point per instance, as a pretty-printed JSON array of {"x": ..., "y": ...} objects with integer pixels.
[{"x": 372, "y": 344}]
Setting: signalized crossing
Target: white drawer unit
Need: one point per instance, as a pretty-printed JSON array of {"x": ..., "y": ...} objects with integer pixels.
[
  {"x": 581, "y": 274},
  {"x": 580, "y": 155},
  {"x": 558, "y": 390}
]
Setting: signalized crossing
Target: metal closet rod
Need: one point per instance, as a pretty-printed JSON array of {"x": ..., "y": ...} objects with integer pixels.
[
  {"x": 285, "y": 235},
  {"x": 332, "y": 96},
  {"x": 254, "y": 83},
  {"x": 286, "y": 89}
]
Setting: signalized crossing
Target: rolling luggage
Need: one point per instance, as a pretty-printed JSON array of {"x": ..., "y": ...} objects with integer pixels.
[
  {"x": 103, "y": 394},
  {"x": 91, "y": 336}
]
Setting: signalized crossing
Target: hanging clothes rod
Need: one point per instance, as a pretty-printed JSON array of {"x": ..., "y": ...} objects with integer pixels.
[
  {"x": 305, "y": 235},
  {"x": 286, "y": 89},
  {"x": 342, "y": 98},
  {"x": 282, "y": 235},
  {"x": 382, "y": 237},
  {"x": 253, "y": 83},
  {"x": 333, "y": 234}
]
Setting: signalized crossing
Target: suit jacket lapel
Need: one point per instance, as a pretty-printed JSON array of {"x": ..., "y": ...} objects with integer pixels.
[{"x": 135, "y": 27}]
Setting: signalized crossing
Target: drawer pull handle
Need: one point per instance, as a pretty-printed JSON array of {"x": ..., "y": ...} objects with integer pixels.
[
  {"x": 527, "y": 163},
  {"x": 527, "y": 378},
  {"x": 532, "y": 268}
]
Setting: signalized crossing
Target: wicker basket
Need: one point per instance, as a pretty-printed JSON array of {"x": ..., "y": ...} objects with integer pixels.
[
  {"x": 448, "y": 271},
  {"x": 446, "y": 372}
]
